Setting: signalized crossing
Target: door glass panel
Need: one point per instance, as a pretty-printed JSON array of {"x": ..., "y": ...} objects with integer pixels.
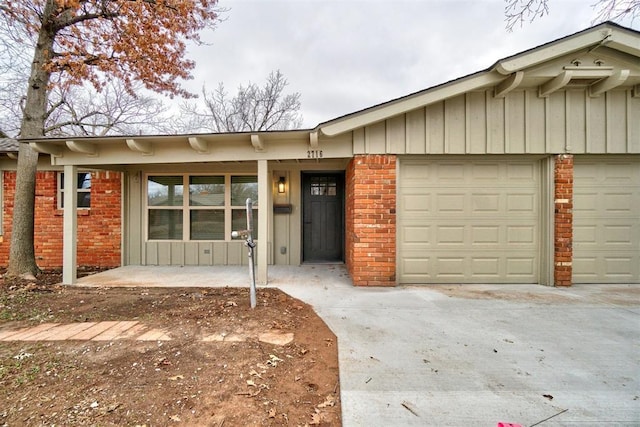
[{"x": 323, "y": 186}]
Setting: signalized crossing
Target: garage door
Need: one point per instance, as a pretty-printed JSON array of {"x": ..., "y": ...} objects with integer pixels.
[
  {"x": 606, "y": 220},
  {"x": 468, "y": 221}
]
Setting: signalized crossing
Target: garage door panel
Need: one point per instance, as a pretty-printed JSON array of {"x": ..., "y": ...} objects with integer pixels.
[
  {"x": 606, "y": 247},
  {"x": 521, "y": 235},
  {"x": 521, "y": 203},
  {"x": 416, "y": 203},
  {"x": 482, "y": 226}
]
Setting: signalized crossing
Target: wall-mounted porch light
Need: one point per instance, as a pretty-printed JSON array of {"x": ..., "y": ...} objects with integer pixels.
[{"x": 281, "y": 183}]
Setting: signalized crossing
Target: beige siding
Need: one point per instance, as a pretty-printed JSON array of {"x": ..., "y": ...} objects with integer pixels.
[
  {"x": 606, "y": 223},
  {"x": 520, "y": 123}
]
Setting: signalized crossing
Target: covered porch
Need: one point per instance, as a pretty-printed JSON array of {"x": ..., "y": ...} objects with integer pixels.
[{"x": 274, "y": 163}]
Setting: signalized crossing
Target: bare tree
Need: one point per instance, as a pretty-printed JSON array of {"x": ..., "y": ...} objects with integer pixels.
[
  {"x": 254, "y": 108},
  {"x": 80, "y": 111},
  {"x": 517, "y": 12}
]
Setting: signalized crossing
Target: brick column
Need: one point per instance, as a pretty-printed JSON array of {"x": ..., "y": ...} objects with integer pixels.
[
  {"x": 563, "y": 220},
  {"x": 370, "y": 229}
]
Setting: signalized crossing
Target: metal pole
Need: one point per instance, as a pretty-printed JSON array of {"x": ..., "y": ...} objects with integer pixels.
[{"x": 251, "y": 245}]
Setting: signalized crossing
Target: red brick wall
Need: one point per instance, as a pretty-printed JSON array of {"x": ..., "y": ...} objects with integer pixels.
[
  {"x": 370, "y": 229},
  {"x": 563, "y": 220},
  {"x": 99, "y": 228}
]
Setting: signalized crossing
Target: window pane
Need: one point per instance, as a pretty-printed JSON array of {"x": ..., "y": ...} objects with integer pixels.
[
  {"x": 239, "y": 221},
  {"x": 243, "y": 187},
  {"x": 165, "y": 224},
  {"x": 207, "y": 224},
  {"x": 206, "y": 190},
  {"x": 84, "y": 199},
  {"x": 164, "y": 191}
]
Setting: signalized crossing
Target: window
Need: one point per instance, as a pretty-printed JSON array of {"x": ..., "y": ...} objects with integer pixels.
[
  {"x": 84, "y": 190},
  {"x": 324, "y": 186},
  {"x": 215, "y": 206}
]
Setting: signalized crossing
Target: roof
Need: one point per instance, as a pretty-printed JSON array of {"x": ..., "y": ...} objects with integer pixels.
[{"x": 608, "y": 34}]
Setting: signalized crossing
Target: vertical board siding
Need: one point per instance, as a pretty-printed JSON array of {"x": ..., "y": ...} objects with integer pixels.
[
  {"x": 616, "y": 122},
  {"x": 515, "y": 123},
  {"x": 633, "y": 122},
  {"x": 597, "y": 126},
  {"x": 495, "y": 124},
  {"x": 576, "y": 120},
  {"x": 193, "y": 253},
  {"x": 477, "y": 123},
  {"x": 415, "y": 128},
  {"x": 454, "y": 125},
  {"x": 520, "y": 123},
  {"x": 396, "y": 134}
]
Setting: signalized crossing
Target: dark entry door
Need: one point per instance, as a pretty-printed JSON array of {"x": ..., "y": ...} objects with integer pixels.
[{"x": 323, "y": 201}]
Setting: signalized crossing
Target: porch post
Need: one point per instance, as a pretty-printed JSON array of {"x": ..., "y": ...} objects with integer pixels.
[
  {"x": 263, "y": 222},
  {"x": 70, "y": 226}
]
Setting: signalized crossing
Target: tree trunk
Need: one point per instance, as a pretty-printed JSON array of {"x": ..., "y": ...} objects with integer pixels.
[{"x": 22, "y": 260}]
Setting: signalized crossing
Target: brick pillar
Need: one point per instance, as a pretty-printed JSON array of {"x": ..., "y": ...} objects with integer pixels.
[
  {"x": 371, "y": 220},
  {"x": 563, "y": 220}
]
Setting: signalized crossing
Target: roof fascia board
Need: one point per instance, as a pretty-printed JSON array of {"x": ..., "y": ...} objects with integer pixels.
[{"x": 418, "y": 100}]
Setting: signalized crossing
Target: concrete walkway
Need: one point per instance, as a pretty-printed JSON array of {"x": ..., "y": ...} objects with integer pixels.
[{"x": 463, "y": 355}]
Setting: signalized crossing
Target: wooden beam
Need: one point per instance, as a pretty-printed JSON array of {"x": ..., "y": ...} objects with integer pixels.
[
  {"x": 557, "y": 83},
  {"x": 257, "y": 142},
  {"x": 199, "y": 145},
  {"x": 82, "y": 147},
  {"x": 47, "y": 148},
  {"x": 313, "y": 139},
  {"x": 12, "y": 156},
  {"x": 143, "y": 147},
  {"x": 508, "y": 84},
  {"x": 600, "y": 87}
]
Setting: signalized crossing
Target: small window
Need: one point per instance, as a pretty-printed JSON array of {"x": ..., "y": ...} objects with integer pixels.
[{"x": 84, "y": 190}]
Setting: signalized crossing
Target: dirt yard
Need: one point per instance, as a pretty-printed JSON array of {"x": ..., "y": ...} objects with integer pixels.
[{"x": 186, "y": 380}]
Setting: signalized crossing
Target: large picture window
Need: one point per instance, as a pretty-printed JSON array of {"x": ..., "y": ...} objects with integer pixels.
[{"x": 214, "y": 207}]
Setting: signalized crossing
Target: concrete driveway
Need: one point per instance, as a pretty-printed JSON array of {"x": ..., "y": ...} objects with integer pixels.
[
  {"x": 459, "y": 355},
  {"x": 478, "y": 355}
]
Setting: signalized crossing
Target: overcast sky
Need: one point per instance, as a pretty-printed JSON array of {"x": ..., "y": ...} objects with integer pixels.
[{"x": 345, "y": 55}]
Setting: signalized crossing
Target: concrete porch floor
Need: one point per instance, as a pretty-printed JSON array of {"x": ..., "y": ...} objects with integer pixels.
[{"x": 196, "y": 276}]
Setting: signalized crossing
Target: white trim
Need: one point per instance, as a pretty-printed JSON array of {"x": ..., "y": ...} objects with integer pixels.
[{"x": 70, "y": 227}]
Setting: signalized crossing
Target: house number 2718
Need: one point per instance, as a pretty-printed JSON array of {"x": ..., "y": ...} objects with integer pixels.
[{"x": 314, "y": 154}]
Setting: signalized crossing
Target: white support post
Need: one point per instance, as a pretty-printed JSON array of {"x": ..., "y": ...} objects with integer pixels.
[
  {"x": 70, "y": 226},
  {"x": 264, "y": 184}
]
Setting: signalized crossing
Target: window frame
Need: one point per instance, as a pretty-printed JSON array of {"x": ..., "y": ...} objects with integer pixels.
[
  {"x": 60, "y": 190},
  {"x": 186, "y": 207}
]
